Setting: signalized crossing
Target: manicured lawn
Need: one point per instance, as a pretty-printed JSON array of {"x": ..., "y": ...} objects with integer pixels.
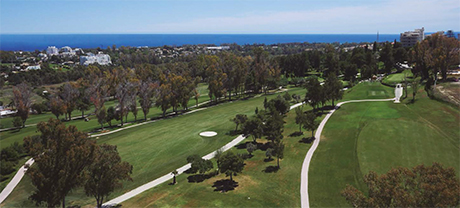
[
  {"x": 9, "y": 137},
  {"x": 256, "y": 187},
  {"x": 158, "y": 148},
  {"x": 368, "y": 90},
  {"x": 378, "y": 136},
  {"x": 394, "y": 79}
]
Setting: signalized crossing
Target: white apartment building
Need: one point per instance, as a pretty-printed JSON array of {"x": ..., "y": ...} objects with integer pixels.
[
  {"x": 90, "y": 58},
  {"x": 52, "y": 50},
  {"x": 410, "y": 38}
]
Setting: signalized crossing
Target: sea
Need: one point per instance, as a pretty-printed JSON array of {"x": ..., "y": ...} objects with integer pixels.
[{"x": 31, "y": 42}]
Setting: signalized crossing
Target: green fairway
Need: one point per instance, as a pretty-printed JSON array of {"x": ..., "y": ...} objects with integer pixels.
[
  {"x": 158, "y": 148},
  {"x": 256, "y": 188},
  {"x": 378, "y": 136},
  {"x": 368, "y": 90},
  {"x": 394, "y": 79},
  {"x": 9, "y": 137}
]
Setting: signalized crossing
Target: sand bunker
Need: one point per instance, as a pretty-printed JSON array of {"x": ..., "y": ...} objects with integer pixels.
[{"x": 208, "y": 133}]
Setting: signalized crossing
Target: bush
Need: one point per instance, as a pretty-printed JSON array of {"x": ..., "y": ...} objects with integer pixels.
[
  {"x": 6, "y": 167},
  {"x": 18, "y": 148},
  {"x": 17, "y": 122},
  {"x": 287, "y": 97},
  {"x": 39, "y": 108},
  {"x": 9, "y": 154}
]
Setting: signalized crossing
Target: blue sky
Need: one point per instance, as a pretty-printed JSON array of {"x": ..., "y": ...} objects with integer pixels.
[{"x": 227, "y": 16}]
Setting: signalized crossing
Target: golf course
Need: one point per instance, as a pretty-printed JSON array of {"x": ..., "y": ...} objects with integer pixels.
[
  {"x": 358, "y": 138},
  {"x": 158, "y": 148}
]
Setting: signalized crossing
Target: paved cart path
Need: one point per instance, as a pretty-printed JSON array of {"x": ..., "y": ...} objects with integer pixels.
[
  {"x": 16, "y": 179},
  {"x": 305, "y": 203}
]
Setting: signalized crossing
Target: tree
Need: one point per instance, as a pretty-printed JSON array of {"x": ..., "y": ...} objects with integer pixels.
[
  {"x": 83, "y": 103},
  {"x": 110, "y": 115},
  {"x": 278, "y": 150},
  {"x": 164, "y": 96},
  {"x": 313, "y": 96},
  {"x": 421, "y": 186},
  {"x": 310, "y": 123},
  {"x": 17, "y": 122},
  {"x": 287, "y": 97},
  {"x": 147, "y": 90},
  {"x": 22, "y": 95},
  {"x": 69, "y": 94},
  {"x": 299, "y": 118},
  {"x": 38, "y": 107},
  {"x": 279, "y": 104},
  {"x": 239, "y": 120},
  {"x": 254, "y": 127},
  {"x": 97, "y": 93},
  {"x": 333, "y": 88},
  {"x": 199, "y": 164},
  {"x": 230, "y": 164},
  {"x": 106, "y": 173},
  {"x": 101, "y": 115},
  {"x": 61, "y": 154},
  {"x": 123, "y": 95},
  {"x": 174, "y": 173},
  {"x": 386, "y": 56},
  {"x": 415, "y": 85},
  {"x": 56, "y": 106},
  {"x": 196, "y": 95},
  {"x": 265, "y": 103},
  {"x": 133, "y": 109},
  {"x": 215, "y": 79},
  {"x": 274, "y": 126},
  {"x": 250, "y": 147},
  {"x": 269, "y": 153}
]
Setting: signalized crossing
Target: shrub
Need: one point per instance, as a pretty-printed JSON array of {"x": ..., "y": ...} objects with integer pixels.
[
  {"x": 9, "y": 154},
  {"x": 17, "y": 122},
  {"x": 6, "y": 167}
]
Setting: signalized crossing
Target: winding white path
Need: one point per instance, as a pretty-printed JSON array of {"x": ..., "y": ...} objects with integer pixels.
[{"x": 304, "y": 201}]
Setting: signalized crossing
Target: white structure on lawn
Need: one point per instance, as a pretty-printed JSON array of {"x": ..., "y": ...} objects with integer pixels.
[
  {"x": 398, "y": 92},
  {"x": 52, "y": 50},
  {"x": 90, "y": 58},
  {"x": 410, "y": 38}
]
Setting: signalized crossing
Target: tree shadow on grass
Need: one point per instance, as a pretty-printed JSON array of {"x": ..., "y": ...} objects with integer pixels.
[
  {"x": 268, "y": 159},
  {"x": 263, "y": 146},
  {"x": 225, "y": 185},
  {"x": 233, "y": 132},
  {"x": 198, "y": 178},
  {"x": 296, "y": 134},
  {"x": 271, "y": 169},
  {"x": 307, "y": 140}
]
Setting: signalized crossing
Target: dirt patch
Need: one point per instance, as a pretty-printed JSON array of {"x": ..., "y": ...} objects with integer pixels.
[
  {"x": 449, "y": 92},
  {"x": 244, "y": 181},
  {"x": 323, "y": 138},
  {"x": 250, "y": 165}
]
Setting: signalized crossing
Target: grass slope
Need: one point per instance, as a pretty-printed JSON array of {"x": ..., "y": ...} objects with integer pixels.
[
  {"x": 379, "y": 136},
  {"x": 158, "y": 148}
]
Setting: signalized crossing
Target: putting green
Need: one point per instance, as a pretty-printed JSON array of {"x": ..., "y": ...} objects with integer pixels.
[{"x": 378, "y": 136}]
